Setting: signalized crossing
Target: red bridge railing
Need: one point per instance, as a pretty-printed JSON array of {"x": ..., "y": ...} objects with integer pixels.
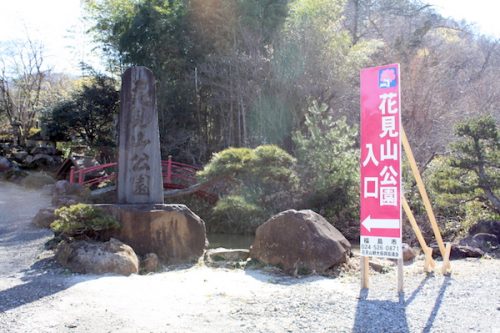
[{"x": 176, "y": 175}]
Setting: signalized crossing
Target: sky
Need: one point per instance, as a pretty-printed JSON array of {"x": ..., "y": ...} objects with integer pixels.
[{"x": 58, "y": 24}]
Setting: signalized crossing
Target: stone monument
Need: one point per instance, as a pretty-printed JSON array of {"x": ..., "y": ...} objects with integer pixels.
[
  {"x": 173, "y": 232},
  {"x": 139, "y": 161}
]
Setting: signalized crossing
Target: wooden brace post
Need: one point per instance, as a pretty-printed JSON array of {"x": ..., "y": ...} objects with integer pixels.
[
  {"x": 425, "y": 199},
  {"x": 446, "y": 269},
  {"x": 429, "y": 263}
]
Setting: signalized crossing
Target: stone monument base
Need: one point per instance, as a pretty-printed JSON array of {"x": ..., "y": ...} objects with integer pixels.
[{"x": 173, "y": 232}]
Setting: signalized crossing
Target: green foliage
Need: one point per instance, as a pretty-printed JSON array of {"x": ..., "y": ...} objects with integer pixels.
[
  {"x": 230, "y": 162},
  {"x": 472, "y": 170},
  {"x": 82, "y": 220},
  {"x": 234, "y": 214},
  {"x": 328, "y": 165},
  {"x": 466, "y": 184},
  {"x": 88, "y": 115},
  {"x": 264, "y": 182},
  {"x": 264, "y": 170}
]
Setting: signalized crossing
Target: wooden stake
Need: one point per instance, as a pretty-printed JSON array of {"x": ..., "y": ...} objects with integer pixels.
[
  {"x": 365, "y": 273},
  {"x": 423, "y": 193},
  {"x": 446, "y": 269},
  {"x": 400, "y": 275},
  {"x": 429, "y": 263}
]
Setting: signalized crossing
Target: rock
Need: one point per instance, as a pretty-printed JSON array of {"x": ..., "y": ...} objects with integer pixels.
[
  {"x": 44, "y": 150},
  {"x": 66, "y": 200},
  {"x": 37, "y": 180},
  {"x": 300, "y": 241},
  {"x": 77, "y": 189},
  {"x": 42, "y": 159},
  {"x": 44, "y": 218},
  {"x": 459, "y": 251},
  {"x": 49, "y": 188},
  {"x": 486, "y": 227},
  {"x": 14, "y": 174},
  {"x": 5, "y": 164},
  {"x": 380, "y": 266},
  {"x": 61, "y": 187},
  {"x": 173, "y": 232},
  {"x": 408, "y": 253},
  {"x": 64, "y": 187},
  {"x": 98, "y": 258},
  {"x": 20, "y": 155},
  {"x": 150, "y": 263},
  {"x": 66, "y": 194},
  {"x": 485, "y": 242},
  {"x": 222, "y": 254}
]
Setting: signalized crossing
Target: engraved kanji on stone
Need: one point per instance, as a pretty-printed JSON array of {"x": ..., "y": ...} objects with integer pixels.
[
  {"x": 140, "y": 141},
  {"x": 141, "y": 185},
  {"x": 140, "y": 163}
]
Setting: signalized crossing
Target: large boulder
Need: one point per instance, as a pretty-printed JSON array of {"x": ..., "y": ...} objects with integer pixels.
[
  {"x": 44, "y": 218},
  {"x": 486, "y": 227},
  {"x": 461, "y": 252},
  {"x": 300, "y": 242},
  {"x": 485, "y": 236},
  {"x": 458, "y": 251},
  {"x": 173, "y": 232},
  {"x": 98, "y": 258},
  {"x": 486, "y": 242},
  {"x": 65, "y": 194},
  {"x": 42, "y": 160}
]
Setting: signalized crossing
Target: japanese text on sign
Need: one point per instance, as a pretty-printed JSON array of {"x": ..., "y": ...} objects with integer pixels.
[{"x": 380, "y": 162}]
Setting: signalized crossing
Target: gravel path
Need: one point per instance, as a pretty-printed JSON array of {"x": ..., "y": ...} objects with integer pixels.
[{"x": 37, "y": 296}]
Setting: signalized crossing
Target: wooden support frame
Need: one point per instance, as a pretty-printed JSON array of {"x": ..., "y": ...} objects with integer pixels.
[
  {"x": 429, "y": 263},
  {"x": 445, "y": 252}
]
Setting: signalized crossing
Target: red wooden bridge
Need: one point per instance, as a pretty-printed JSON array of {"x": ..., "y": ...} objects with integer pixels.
[{"x": 175, "y": 175}]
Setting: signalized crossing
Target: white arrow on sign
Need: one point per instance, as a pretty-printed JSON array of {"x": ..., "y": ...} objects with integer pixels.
[{"x": 370, "y": 223}]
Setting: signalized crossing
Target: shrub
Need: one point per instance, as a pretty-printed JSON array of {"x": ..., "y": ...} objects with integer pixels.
[
  {"x": 328, "y": 164},
  {"x": 236, "y": 215},
  {"x": 82, "y": 221},
  {"x": 231, "y": 162},
  {"x": 263, "y": 182}
]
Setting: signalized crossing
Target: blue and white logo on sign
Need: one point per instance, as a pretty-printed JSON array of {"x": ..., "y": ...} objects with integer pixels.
[{"x": 387, "y": 77}]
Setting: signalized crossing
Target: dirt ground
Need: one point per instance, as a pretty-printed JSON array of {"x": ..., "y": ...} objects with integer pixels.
[{"x": 36, "y": 295}]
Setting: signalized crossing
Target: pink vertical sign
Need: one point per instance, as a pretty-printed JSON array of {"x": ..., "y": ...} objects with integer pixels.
[{"x": 380, "y": 214}]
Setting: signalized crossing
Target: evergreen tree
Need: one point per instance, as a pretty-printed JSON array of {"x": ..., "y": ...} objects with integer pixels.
[{"x": 473, "y": 171}]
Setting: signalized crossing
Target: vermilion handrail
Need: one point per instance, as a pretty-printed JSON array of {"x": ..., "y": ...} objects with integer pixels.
[{"x": 175, "y": 174}]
